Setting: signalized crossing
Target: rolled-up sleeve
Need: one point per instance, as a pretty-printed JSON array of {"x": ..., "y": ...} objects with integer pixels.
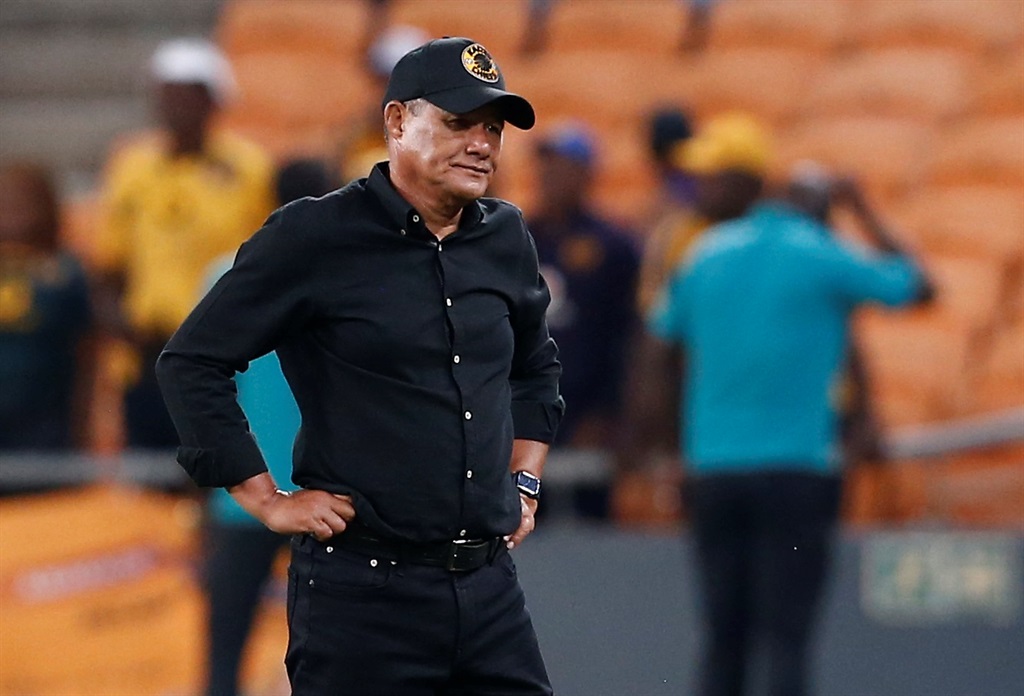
[
  {"x": 537, "y": 406},
  {"x": 861, "y": 276},
  {"x": 251, "y": 309}
]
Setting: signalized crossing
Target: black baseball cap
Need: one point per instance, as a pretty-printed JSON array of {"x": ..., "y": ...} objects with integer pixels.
[{"x": 458, "y": 75}]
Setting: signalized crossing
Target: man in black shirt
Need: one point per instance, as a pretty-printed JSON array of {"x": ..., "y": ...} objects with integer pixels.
[{"x": 409, "y": 317}]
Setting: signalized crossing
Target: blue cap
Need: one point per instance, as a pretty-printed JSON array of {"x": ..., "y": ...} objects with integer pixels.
[{"x": 573, "y": 141}]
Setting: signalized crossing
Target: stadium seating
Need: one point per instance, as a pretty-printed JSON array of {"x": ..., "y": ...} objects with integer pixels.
[
  {"x": 985, "y": 150},
  {"x": 973, "y": 25},
  {"x": 927, "y": 84},
  {"x": 921, "y": 99},
  {"x": 814, "y": 27}
]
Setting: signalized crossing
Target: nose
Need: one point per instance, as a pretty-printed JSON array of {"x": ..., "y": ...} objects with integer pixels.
[{"x": 478, "y": 140}]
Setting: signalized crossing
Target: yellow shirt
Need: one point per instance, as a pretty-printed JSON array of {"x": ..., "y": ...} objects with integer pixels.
[
  {"x": 665, "y": 249},
  {"x": 164, "y": 219}
]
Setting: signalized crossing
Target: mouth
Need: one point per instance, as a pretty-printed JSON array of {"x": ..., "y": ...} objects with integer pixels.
[{"x": 475, "y": 169}]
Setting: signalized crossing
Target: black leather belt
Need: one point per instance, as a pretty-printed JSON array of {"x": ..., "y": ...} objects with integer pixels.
[{"x": 459, "y": 555}]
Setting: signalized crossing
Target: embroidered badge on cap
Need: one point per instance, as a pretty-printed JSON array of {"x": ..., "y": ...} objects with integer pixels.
[{"x": 478, "y": 63}]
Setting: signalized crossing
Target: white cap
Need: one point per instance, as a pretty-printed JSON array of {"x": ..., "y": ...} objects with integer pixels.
[
  {"x": 194, "y": 61},
  {"x": 392, "y": 44}
]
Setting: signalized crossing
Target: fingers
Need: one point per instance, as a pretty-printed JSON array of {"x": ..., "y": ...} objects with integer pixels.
[
  {"x": 321, "y": 530},
  {"x": 527, "y": 524},
  {"x": 342, "y": 506}
]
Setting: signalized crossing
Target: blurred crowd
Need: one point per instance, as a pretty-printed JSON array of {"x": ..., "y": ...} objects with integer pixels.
[{"x": 178, "y": 200}]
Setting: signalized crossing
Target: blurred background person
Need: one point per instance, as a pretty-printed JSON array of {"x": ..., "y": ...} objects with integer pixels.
[
  {"x": 718, "y": 183},
  {"x": 761, "y": 310},
  {"x": 240, "y": 551},
  {"x": 362, "y": 141},
  {"x": 173, "y": 201},
  {"x": 696, "y": 25},
  {"x": 45, "y": 318},
  {"x": 535, "y": 34},
  {"x": 667, "y": 127},
  {"x": 814, "y": 191},
  {"x": 591, "y": 266}
]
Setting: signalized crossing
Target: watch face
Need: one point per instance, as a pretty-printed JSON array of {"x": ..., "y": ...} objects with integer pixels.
[{"x": 528, "y": 484}]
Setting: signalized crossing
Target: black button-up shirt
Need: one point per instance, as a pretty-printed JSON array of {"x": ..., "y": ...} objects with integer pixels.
[{"x": 414, "y": 362}]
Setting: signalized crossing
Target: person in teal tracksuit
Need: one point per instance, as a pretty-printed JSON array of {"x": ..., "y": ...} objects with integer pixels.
[{"x": 761, "y": 309}]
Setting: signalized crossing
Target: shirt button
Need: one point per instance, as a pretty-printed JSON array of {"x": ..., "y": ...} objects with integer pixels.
[
  {"x": 373, "y": 562},
  {"x": 469, "y": 474},
  {"x": 467, "y": 415},
  {"x": 439, "y": 247},
  {"x": 330, "y": 549},
  {"x": 415, "y": 218},
  {"x": 403, "y": 232},
  {"x": 448, "y": 301},
  {"x": 456, "y": 360},
  {"x": 462, "y": 533}
]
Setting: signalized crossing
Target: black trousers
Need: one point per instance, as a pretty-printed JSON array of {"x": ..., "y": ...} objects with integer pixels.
[
  {"x": 763, "y": 546},
  {"x": 238, "y": 565},
  {"x": 361, "y": 626}
]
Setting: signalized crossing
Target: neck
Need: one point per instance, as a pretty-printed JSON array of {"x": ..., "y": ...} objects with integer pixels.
[
  {"x": 187, "y": 143},
  {"x": 440, "y": 215}
]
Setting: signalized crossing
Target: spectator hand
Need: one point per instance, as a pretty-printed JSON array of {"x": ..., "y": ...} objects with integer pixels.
[{"x": 527, "y": 522}]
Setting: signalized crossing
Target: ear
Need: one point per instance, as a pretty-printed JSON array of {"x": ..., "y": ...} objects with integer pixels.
[{"x": 395, "y": 115}]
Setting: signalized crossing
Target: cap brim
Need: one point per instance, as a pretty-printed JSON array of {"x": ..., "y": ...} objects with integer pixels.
[{"x": 514, "y": 109}]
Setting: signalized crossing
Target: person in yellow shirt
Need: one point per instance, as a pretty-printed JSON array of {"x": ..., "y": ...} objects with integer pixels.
[
  {"x": 173, "y": 200},
  {"x": 728, "y": 159}
]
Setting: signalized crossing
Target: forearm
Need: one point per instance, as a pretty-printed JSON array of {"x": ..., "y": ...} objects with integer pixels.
[
  {"x": 529, "y": 456},
  {"x": 887, "y": 242},
  {"x": 217, "y": 448},
  {"x": 256, "y": 494}
]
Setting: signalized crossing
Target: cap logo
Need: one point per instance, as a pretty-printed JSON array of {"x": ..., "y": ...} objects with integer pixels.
[{"x": 478, "y": 63}]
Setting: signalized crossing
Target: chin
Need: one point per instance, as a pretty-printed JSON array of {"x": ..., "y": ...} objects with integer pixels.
[{"x": 469, "y": 191}]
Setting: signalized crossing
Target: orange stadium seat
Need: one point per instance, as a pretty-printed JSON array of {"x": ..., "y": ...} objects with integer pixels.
[
  {"x": 771, "y": 83},
  {"x": 607, "y": 89},
  {"x": 916, "y": 363},
  {"x": 299, "y": 89},
  {"x": 1000, "y": 375},
  {"x": 888, "y": 154},
  {"x": 651, "y": 28},
  {"x": 498, "y": 25},
  {"x": 982, "y": 151},
  {"x": 973, "y": 25},
  {"x": 807, "y": 25},
  {"x": 919, "y": 83},
  {"x": 966, "y": 286},
  {"x": 998, "y": 85},
  {"x": 979, "y": 488},
  {"x": 316, "y": 26},
  {"x": 983, "y": 221}
]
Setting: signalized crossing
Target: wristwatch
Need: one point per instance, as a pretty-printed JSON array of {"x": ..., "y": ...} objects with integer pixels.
[{"x": 527, "y": 483}]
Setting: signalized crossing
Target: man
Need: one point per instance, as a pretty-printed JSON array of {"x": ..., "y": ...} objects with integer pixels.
[
  {"x": 761, "y": 309},
  {"x": 590, "y": 265},
  {"x": 45, "y": 317},
  {"x": 173, "y": 201},
  {"x": 726, "y": 166},
  {"x": 408, "y": 316}
]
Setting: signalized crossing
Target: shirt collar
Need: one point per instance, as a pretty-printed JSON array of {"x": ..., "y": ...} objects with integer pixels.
[{"x": 403, "y": 215}]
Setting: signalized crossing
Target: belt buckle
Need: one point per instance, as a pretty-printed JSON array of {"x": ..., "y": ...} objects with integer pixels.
[{"x": 453, "y": 555}]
